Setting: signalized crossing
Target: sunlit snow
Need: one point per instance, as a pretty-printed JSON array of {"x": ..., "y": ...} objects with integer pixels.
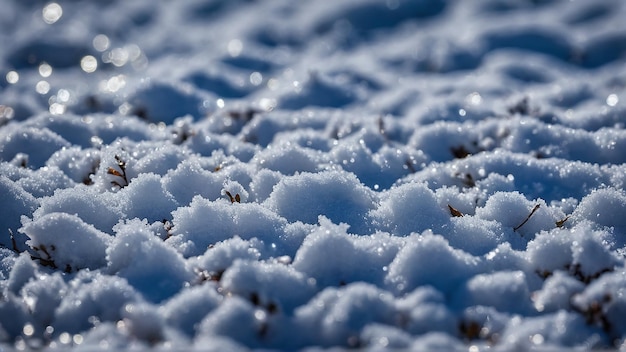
[{"x": 233, "y": 175}]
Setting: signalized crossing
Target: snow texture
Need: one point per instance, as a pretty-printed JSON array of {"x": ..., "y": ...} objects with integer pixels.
[{"x": 221, "y": 175}]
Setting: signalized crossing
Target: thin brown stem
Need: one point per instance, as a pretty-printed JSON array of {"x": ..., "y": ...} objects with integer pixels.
[{"x": 527, "y": 218}]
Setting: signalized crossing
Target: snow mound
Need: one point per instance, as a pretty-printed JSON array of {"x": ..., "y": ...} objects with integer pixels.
[{"x": 283, "y": 175}]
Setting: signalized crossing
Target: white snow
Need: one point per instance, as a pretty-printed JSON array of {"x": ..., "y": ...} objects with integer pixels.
[{"x": 284, "y": 175}]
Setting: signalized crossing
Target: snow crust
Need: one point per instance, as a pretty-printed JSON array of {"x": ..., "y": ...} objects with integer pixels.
[{"x": 235, "y": 175}]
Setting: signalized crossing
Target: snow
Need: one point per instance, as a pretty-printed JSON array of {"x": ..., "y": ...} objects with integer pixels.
[
  {"x": 337, "y": 195},
  {"x": 279, "y": 175},
  {"x": 84, "y": 247}
]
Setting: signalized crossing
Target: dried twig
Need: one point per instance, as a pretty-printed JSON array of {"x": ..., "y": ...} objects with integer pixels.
[
  {"x": 111, "y": 171},
  {"x": 48, "y": 261},
  {"x": 13, "y": 242},
  {"x": 527, "y": 218},
  {"x": 236, "y": 198},
  {"x": 454, "y": 212},
  {"x": 381, "y": 128},
  {"x": 460, "y": 152},
  {"x": 562, "y": 221}
]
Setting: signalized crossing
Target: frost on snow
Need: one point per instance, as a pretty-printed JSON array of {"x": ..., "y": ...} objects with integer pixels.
[{"x": 286, "y": 175}]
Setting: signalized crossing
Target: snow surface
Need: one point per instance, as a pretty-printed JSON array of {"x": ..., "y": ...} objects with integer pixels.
[{"x": 232, "y": 175}]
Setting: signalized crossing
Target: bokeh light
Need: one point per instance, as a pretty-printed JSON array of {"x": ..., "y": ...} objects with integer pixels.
[
  {"x": 101, "y": 42},
  {"x": 52, "y": 13},
  {"x": 89, "y": 64},
  {"x": 6, "y": 112},
  {"x": 63, "y": 96},
  {"x": 113, "y": 84},
  {"x": 235, "y": 47},
  {"x": 57, "y": 109},
  {"x": 118, "y": 57},
  {"x": 42, "y": 87},
  {"x": 474, "y": 98},
  {"x": 256, "y": 78},
  {"x": 45, "y": 70},
  {"x": 12, "y": 77}
]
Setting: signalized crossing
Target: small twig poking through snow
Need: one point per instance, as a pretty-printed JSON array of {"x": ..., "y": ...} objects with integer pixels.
[
  {"x": 48, "y": 261},
  {"x": 596, "y": 314},
  {"x": 381, "y": 128},
  {"x": 470, "y": 330},
  {"x": 467, "y": 179},
  {"x": 577, "y": 272},
  {"x": 20, "y": 159},
  {"x": 13, "y": 242},
  {"x": 94, "y": 167},
  {"x": 459, "y": 152},
  {"x": 221, "y": 166},
  {"x": 236, "y": 198},
  {"x": 454, "y": 212},
  {"x": 245, "y": 115},
  {"x": 45, "y": 251},
  {"x": 562, "y": 221},
  {"x": 521, "y": 107},
  {"x": 111, "y": 171},
  {"x": 527, "y": 218}
]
